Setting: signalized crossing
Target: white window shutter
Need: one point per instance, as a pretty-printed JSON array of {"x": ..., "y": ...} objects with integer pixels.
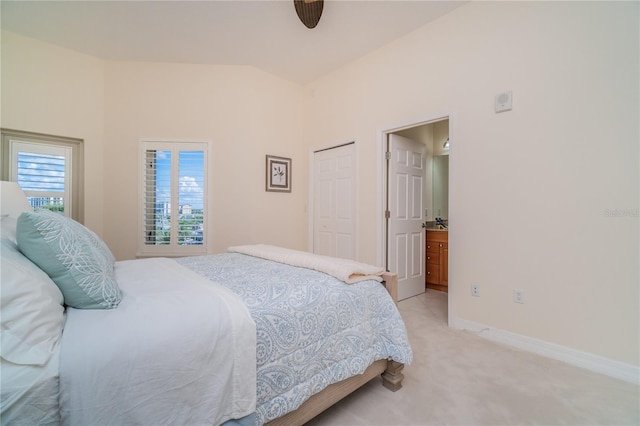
[{"x": 174, "y": 189}]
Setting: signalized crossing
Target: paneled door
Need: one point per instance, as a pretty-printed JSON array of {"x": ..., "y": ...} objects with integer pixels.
[
  {"x": 334, "y": 202},
  {"x": 406, "y": 243}
]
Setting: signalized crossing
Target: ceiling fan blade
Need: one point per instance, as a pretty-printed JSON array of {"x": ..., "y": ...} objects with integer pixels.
[{"x": 309, "y": 11}]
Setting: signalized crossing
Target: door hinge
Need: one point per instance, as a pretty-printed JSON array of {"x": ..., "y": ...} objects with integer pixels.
[
  {"x": 387, "y": 155},
  {"x": 387, "y": 214}
]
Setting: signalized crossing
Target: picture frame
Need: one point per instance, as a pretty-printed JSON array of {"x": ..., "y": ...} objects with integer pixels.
[{"x": 278, "y": 174}]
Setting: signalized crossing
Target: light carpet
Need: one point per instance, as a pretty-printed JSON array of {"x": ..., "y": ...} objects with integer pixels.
[{"x": 458, "y": 378}]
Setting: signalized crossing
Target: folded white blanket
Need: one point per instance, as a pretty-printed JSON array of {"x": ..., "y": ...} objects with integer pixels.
[{"x": 345, "y": 270}]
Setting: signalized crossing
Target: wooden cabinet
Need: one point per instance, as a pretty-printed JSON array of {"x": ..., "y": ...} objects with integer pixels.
[{"x": 437, "y": 260}]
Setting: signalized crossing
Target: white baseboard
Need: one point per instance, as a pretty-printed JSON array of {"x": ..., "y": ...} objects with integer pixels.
[{"x": 619, "y": 370}]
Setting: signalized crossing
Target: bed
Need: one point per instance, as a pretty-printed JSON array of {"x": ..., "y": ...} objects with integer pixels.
[{"x": 257, "y": 335}]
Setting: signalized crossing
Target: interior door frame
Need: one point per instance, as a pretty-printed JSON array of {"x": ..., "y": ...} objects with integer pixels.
[
  {"x": 381, "y": 224},
  {"x": 311, "y": 203}
]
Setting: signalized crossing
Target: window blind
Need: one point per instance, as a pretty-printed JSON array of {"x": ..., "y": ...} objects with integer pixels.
[
  {"x": 42, "y": 178},
  {"x": 43, "y": 173}
]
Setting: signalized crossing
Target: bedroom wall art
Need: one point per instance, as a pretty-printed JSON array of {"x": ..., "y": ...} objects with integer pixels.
[{"x": 278, "y": 174}]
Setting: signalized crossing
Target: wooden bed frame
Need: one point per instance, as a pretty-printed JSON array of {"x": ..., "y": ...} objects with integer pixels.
[{"x": 391, "y": 372}]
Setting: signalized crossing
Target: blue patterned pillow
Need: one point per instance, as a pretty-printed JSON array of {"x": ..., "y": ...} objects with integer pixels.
[{"x": 75, "y": 258}]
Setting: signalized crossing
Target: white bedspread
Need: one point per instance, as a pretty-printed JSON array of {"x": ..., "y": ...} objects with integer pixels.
[
  {"x": 345, "y": 270},
  {"x": 179, "y": 349},
  {"x": 29, "y": 393}
]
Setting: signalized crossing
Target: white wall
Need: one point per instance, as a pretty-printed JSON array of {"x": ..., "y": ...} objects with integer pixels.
[
  {"x": 55, "y": 91},
  {"x": 530, "y": 189},
  {"x": 246, "y": 113}
]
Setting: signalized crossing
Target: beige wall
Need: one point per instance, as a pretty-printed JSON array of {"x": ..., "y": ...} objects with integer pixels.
[
  {"x": 530, "y": 189},
  {"x": 55, "y": 91},
  {"x": 244, "y": 112}
]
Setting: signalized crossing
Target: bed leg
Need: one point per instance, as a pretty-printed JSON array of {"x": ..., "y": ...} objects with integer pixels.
[{"x": 392, "y": 376}]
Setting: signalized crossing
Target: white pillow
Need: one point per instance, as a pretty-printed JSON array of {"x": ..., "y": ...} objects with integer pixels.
[
  {"x": 8, "y": 228},
  {"x": 32, "y": 311}
]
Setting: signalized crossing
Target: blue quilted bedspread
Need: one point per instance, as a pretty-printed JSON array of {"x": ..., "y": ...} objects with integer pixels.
[{"x": 312, "y": 329}]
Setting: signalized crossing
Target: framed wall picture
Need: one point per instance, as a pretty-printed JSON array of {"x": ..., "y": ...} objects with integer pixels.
[{"x": 278, "y": 174}]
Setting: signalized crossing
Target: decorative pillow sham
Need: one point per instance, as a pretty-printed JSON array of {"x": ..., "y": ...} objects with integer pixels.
[
  {"x": 32, "y": 311},
  {"x": 75, "y": 258}
]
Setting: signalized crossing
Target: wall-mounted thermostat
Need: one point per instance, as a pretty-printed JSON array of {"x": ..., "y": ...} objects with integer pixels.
[{"x": 504, "y": 101}]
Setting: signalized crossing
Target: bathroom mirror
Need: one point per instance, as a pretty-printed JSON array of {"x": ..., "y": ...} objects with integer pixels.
[{"x": 441, "y": 186}]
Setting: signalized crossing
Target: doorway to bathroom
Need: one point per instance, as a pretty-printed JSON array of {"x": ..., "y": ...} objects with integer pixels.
[{"x": 415, "y": 194}]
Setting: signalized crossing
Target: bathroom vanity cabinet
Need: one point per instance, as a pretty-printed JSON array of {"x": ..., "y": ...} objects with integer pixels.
[{"x": 437, "y": 277}]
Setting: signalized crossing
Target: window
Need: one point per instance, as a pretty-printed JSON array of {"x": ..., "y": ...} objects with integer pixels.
[
  {"x": 174, "y": 198},
  {"x": 47, "y": 168}
]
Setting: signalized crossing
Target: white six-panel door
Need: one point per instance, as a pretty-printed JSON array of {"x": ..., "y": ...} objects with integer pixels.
[
  {"x": 334, "y": 204},
  {"x": 406, "y": 241}
]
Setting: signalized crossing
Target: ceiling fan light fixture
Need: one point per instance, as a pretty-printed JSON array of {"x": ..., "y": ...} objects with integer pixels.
[{"x": 309, "y": 11}]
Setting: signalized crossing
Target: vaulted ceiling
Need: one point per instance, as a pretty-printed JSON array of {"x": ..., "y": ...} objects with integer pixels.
[{"x": 266, "y": 34}]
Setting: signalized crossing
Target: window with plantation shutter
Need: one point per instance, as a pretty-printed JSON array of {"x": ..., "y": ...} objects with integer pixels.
[
  {"x": 47, "y": 168},
  {"x": 174, "y": 198}
]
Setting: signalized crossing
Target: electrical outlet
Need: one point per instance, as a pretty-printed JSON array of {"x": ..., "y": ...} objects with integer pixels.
[
  {"x": 475, "y": 290},
  {"x": 518, "y": 296}
]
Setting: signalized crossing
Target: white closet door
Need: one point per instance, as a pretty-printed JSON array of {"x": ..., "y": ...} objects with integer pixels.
[{"x": 334, "y": 205}]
